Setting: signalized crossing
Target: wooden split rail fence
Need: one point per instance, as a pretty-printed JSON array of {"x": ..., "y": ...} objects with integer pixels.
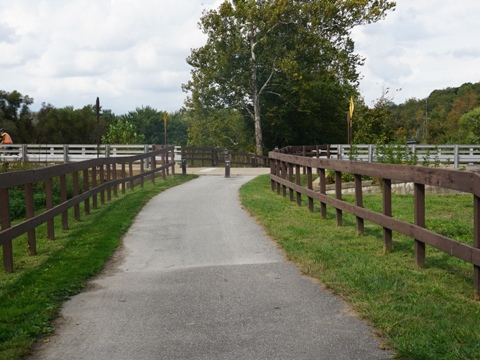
[
  {"x": 91, "y": 178},
  {"x": 285, "y": 177},
  {"x": 211, "y": 156}
]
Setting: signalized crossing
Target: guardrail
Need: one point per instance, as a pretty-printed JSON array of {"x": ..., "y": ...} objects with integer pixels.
[
  {"x": 451, "y": 155},
  {"x": 285, "y": 172},
  {"x": 100, "y": 176}
]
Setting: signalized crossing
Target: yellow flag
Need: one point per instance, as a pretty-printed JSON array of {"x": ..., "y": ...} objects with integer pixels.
[
  {"x": 351, "y": 110},
  {"x": 165, "y": 119}
]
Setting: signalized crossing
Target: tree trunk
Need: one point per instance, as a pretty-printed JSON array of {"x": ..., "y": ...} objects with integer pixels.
[
  {"x": 256, "y": 96},
  {"x": 258, "y": 125}
]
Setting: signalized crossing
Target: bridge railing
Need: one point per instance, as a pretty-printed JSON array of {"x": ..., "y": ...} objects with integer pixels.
[
  {"x": 450, "y": 155},
  {"x": 90, "y": 179},
  {"x": 285, "y": 178}
]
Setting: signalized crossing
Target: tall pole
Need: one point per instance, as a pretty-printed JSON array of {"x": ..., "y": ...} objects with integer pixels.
[
  {"x": 165, "y": 127},
  {"x": 97, "y": 109}
]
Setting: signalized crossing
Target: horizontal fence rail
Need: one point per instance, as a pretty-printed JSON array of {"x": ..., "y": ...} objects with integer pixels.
[
  {"x": 90, "y": 178},
  {"x": 285, "y": 174}
]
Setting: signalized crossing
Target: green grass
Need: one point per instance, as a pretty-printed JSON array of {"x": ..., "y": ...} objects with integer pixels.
[
  {"x": 31, "y": 297},
  {"x": 420, "y": 314}
]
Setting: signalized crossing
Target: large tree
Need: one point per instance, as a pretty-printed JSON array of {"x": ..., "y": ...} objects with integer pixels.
[{"x": 276, "y": 53}]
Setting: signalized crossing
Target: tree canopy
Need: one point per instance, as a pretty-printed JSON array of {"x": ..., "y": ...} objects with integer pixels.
[{"x": 288, "y": 66}]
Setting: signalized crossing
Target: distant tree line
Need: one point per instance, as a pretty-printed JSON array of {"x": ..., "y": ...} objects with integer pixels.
[
  {"x": 447, "y": 116},
  {"x": 51, "y": 125}
]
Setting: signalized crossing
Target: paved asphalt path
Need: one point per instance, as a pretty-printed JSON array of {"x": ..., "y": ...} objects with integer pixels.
[{"x": 196, "y": 278}]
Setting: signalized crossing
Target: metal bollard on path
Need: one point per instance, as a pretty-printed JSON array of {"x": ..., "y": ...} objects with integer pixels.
[
  {"x": 227, "y": 168},
  {"x": 184, "y": 166}
]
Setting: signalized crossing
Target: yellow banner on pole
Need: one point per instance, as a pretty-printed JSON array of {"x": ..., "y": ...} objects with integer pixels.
[
  {"x": 351, "y": 110},
  {"x": 165, "y": 119}
]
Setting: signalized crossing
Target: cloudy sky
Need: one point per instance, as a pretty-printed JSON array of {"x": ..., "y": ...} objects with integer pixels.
[{"x": 131, "y": 53}]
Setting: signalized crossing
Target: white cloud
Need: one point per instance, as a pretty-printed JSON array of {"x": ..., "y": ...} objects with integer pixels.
[
  {"x": 421, "y": 46},
  {"x": 129, "y": 53},
  {"x": 132, "y": 53}
]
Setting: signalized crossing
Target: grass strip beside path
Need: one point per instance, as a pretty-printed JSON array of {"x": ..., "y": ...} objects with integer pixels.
[
  {"x": 31, "y": 298},
  {"x": 420, "y": 314}
]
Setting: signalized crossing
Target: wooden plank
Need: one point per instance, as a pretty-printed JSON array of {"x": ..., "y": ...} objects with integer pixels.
[
  {"x": 359, "y": 202},
  {"x": 419, "y": 216},
  {"x": 30, "y": 213},
  {"x": 7, "y": 248},
  {"x": 387, "y": 211}
]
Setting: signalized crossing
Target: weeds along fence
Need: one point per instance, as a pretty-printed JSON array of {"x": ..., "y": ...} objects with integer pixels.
[
  {"x": 90, "y": 179},
  {"x": 285, "y": 172},
  {"x": 211, "y": 156}
]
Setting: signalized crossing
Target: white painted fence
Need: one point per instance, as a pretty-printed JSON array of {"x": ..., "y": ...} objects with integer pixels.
[
  {"x": 456, "y": 155},
  {"x": 58, "y": 153}
]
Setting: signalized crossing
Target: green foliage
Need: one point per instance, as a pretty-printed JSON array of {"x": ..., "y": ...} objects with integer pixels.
[
  {"x": 275, "y": 65},
  {"x": 395, "y": 154},
  {"x": 149, "y": 124},
  {"x": 374, "y": 125},
  {"x": 15, "y": 115},
  {"x": 222, "y": 128},
  {"x": 67, "y": 125},
  {"x": 17, "y": 197},
  {"x": 436, "y": 119},
  {"x": 123, "y": 132},
  {"x": 469, "y": 132}
]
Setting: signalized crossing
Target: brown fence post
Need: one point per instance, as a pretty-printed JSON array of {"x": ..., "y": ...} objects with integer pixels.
[
  {"x": 86, "y": 187},
  {"x": 142, "y": 170},
  {"x": 284, "y": 176},
  {"x": 323, "y": 191},
  {"x": 476, "y": 244},
  {"x": 153, "y": 166},
  {"x": 130, "y": 171},
  {"x": 109, "y": 178},
  {"x": 94, "y": 185},
  {"x": 419, "y": 211},
  {"x": 273, "y": 171},
  {"x": 63, "y": 196},
  {"x": 123, "y": 178},
  {"x": 298, "y": 182},
  {"x": 359, "y": 202},
  {"x": 30, "y": 213},
  {"x": 163, "y": 166},
  {"x": 102, "y": 181},
  {"x": 278, "y": 170},
  {"x": 5, "y": 216},
  {"x": 290, "y": 178},
  {"x": 76, "y": 192},
  {"x": 387, "y": 210},
  {"x": 338, "y": 195},
  {"x": 114, "y": 177},
  {"x": 173, "y": 160},
  {"x": 49, "y": 205},
  {"x": 310, "y": 187}
]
